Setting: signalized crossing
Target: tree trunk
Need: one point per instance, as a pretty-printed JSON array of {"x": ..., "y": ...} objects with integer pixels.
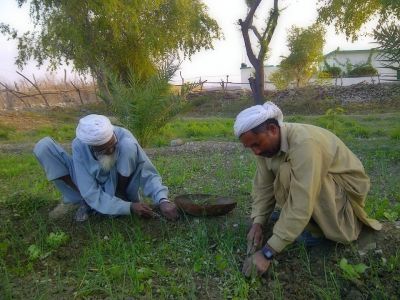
[
  {"x": 257, "y": 85},
  {"x": 264, "y": 38}
]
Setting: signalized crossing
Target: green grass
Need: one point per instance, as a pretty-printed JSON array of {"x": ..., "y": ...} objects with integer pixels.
[
  {"x": 196, "y": 129},
  {"x": 195, "y": 257}
]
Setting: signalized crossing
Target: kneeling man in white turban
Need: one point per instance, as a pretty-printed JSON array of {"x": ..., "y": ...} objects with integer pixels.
[
  {"x": 307, "y": 171},
  {"x": 105, "y": 171}
]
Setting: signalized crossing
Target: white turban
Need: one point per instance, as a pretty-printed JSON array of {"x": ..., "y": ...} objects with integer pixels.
[
  {"x": 94, "y": 130},
  {"x": 255, "y": 115}
]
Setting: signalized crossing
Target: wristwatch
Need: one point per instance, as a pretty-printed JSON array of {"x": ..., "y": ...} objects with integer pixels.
[
  {"x": 267, "y": 252},
  {"x": 164, "y": 200}
]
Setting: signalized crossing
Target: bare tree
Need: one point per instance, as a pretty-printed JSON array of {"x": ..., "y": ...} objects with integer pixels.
[{"x": 257, "y": 83}]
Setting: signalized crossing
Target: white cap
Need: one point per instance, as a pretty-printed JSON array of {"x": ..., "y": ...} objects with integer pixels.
[
  {"x": 255, "y": 115},
  {"x": 94, "y": 130}
]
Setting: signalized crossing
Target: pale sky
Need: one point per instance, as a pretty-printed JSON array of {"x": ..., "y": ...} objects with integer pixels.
[{"x": 212, "y": 65}]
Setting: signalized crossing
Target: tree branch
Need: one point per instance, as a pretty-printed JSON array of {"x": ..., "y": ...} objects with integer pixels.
[
  {"x": 244, "y": 26},
  {"x": 256, "y": 33}
]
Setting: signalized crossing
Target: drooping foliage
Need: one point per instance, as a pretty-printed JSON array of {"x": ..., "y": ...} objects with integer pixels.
[
  {"x": 120, "y": 35},
  {"x": 388, "y": 37},
  {"x": 349, "y": 16}
]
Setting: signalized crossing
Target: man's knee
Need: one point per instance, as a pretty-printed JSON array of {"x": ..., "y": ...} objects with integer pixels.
[{"x": 42, "y": 147}]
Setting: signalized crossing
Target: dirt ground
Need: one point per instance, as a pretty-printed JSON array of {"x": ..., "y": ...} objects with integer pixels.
[
  {"x": 296, "y": 277},
  {"x": 294, "y": 274}
]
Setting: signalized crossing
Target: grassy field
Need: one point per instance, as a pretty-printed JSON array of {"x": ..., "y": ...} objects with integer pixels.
[{"x": 194, "y": 258}]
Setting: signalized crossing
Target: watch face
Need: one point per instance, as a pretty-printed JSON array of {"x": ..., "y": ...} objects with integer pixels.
[{"x": 267, "y": 253}]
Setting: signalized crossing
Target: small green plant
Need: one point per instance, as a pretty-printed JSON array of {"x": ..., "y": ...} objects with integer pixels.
[
  {"x": 351, "y": 272},
  {"x": 34, "y": 252},
  {"x": 332, "y": 114},
  {"x": 55, "y": 240},
  {"x": 391, "y": 215},
  {"x": 221, "y": 262},
  {"x": 4, "y": 248},
  {"x": 395, "y": 134}
]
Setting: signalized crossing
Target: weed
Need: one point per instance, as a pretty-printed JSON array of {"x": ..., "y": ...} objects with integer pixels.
[
  {"x": 55, "y": 240},
  {"x": 395, "y": 134},
  {"x": 350, "y": 271},
  {"x": 34, "y": 252},
  {"x": 391, "y": 215}
]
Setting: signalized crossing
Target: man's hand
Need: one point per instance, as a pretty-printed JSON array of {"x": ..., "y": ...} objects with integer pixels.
[
  {"x": 254, "y": 238},
  {"x": 142, "y": 210},
  {"x": 168, "y": 210},
  {"x": 255, "y": 265}
]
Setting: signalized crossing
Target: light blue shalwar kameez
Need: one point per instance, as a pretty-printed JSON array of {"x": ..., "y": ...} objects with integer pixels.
[{"x": 96, "y": 186}]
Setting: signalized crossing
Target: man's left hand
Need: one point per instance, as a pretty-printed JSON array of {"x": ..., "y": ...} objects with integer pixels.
[
  {"x": 256, "y": 264},
  {"x": 168, "y": 210}
]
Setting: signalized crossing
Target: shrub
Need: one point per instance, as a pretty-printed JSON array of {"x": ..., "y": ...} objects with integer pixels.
[
  {"x": 330, "y": 72},
  {"x": 363, "y": 70},
  {"x": 279, "y": 80},
  {"x": 144, "y": 107},
  {"x": 324, "y": 74}
]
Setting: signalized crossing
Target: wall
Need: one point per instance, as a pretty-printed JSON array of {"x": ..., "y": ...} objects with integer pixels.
[
  {"x": 385, "y": 74},
  {"x": 359, "y": 57}
]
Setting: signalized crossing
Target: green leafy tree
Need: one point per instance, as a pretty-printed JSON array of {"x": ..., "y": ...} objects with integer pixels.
[
  {"x": 118, "y": 35},
  {"x": 279, "y": 79},
  {"x": 305, "y": 45},
  {"x": 388, "y": 37},
  {"x": 350, "y": 16}
]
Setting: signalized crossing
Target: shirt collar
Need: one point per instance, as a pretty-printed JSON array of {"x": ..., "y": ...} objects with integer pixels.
[{"x": 284, "y": 141}]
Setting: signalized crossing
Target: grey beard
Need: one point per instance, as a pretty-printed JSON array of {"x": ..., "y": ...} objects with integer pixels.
[{"x": 107, "y": 162}]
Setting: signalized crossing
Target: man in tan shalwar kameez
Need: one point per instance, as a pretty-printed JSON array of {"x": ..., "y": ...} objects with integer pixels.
[{"x": 310, "y": 174}]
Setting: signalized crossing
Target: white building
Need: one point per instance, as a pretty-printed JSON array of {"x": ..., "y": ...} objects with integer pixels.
[
  {"x": 338, "y": 58},
  {"x": 246, "y": 72}
]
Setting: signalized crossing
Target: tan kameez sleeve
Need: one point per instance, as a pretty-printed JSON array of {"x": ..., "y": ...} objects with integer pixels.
[{"x": 262, "y": 193}]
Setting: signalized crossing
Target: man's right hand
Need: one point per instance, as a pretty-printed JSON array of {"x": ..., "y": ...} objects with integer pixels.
[
  {"x": 142, "y": 210},
  {"x": 254, "y": 238}
]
